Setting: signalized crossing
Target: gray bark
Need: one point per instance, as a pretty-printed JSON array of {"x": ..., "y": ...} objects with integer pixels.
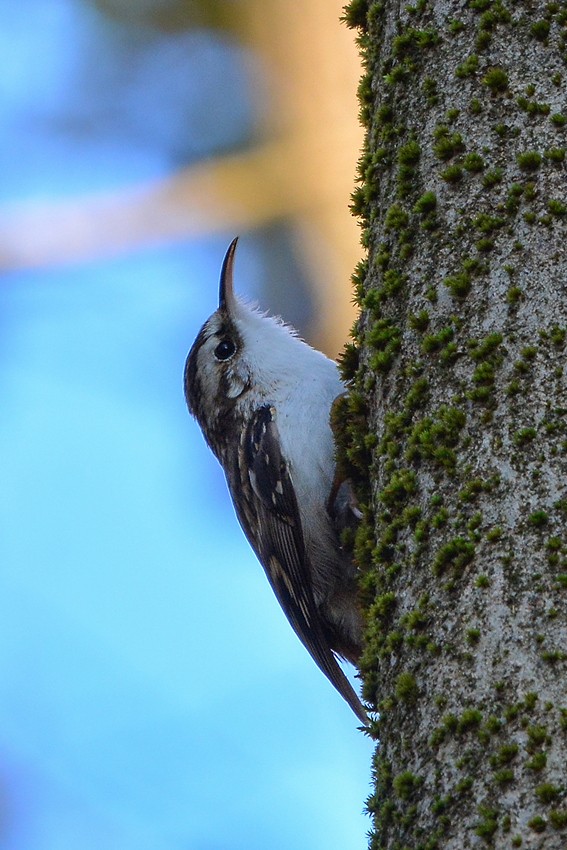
[{"x": 461, "y": 371}]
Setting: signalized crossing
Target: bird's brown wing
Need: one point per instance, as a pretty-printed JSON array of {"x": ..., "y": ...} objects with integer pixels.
[{"x": 268, "y": 512}]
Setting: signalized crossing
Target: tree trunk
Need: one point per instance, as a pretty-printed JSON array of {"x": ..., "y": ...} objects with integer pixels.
[{"x": 458, "y": 408}]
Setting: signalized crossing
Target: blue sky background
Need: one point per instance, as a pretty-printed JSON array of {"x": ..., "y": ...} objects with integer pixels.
[{"x": 152, "y": 695}]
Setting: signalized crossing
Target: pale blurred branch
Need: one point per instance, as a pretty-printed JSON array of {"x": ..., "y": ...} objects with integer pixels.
[{"x": 305, "y": 175}]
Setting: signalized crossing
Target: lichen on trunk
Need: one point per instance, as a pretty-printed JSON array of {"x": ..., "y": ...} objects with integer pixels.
[{"x": 458, "y": 406}]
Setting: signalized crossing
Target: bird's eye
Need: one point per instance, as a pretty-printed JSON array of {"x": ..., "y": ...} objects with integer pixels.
[{"x": 225, "y": 349}]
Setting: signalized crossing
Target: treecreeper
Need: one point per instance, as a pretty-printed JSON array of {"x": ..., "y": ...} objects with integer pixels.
[{"x": 263, "y": 399}]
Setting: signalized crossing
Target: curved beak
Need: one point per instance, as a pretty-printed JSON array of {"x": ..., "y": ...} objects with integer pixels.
[{"x": 226, "y": 290}]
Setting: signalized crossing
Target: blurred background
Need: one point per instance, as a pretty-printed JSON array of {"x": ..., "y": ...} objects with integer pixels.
[{"x": 152, "y": 694}]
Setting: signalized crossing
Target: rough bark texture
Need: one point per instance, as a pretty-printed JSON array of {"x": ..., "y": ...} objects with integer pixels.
[{"x": 458, "y": 408}]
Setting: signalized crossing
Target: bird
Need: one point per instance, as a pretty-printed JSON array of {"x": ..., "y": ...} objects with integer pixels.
[{"x": 263, "y": 398}]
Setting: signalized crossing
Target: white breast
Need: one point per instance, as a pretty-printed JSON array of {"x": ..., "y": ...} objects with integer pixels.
[{"x": 303, "y": 417}]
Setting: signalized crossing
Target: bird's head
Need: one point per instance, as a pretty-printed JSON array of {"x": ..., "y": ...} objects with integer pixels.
[{"x": 238, "y": 360}]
